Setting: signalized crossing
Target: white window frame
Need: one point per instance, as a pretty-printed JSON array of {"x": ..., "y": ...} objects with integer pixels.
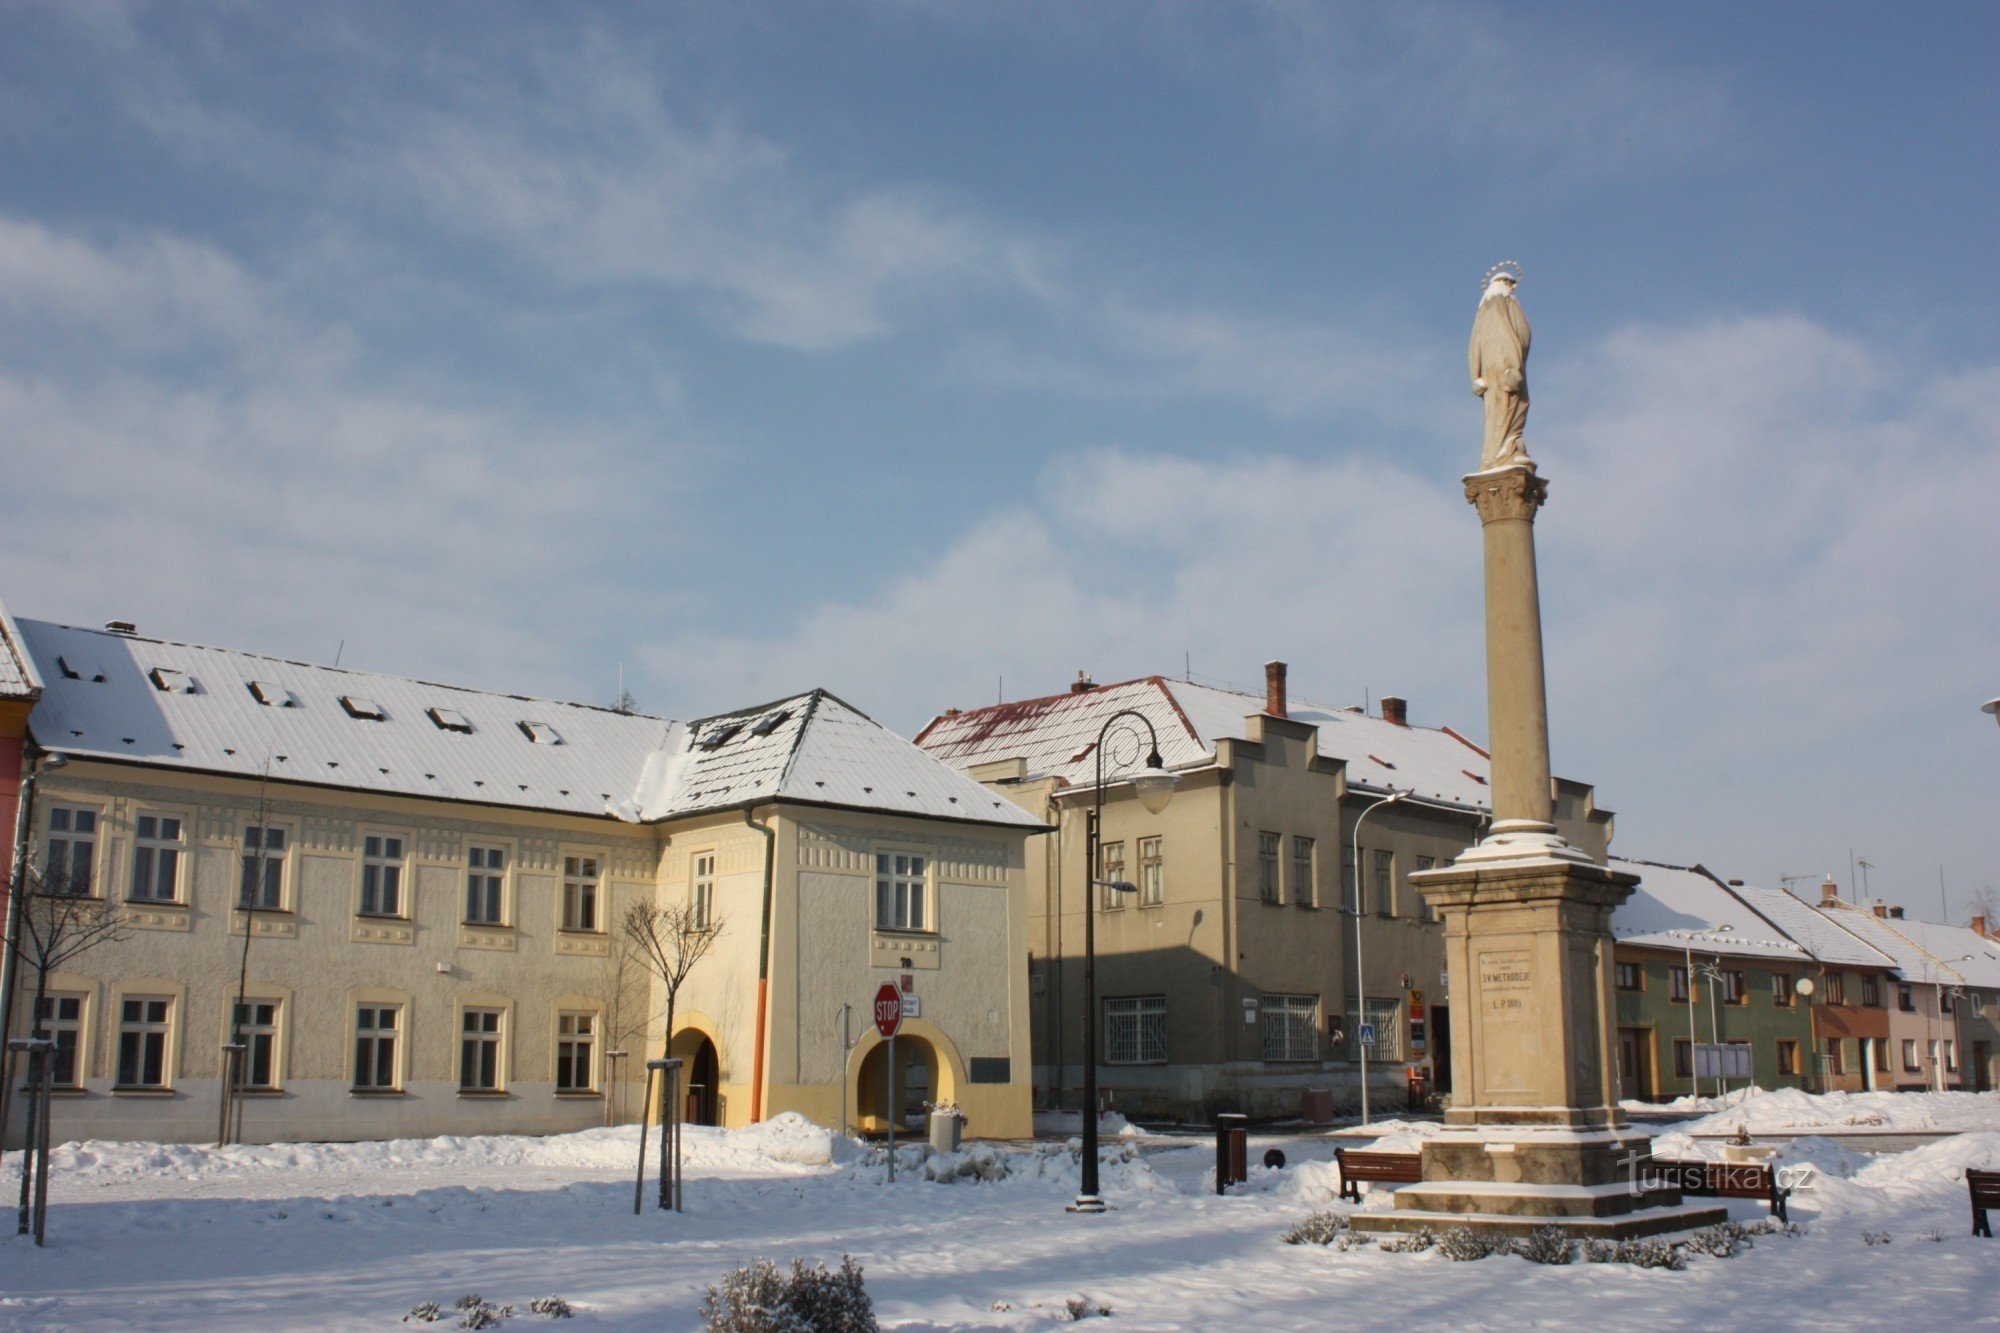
[
  {"x": 1270, "y": 885},
  {"x": 149, "y": 1030},
  {"x": 54, "y": 1024},
  {"x": 1950, "y": 1056},
  {"x": 482, "y": 1028},
  {"x": 487, "y": 881},
  {"x": 367, "y": 1043},
  {"x": 577, "y": 1028},
  {"x": 1135, "y": 1030},
  {"x": 63, "y": 842},
  {"x": 1912, "y": 1062},
  {"x": 151, "y": 852},
  {"x": 385, "y": 878},
  {"x": 1152, "y": 871},
  {"x": 1305, "y": 870},
  {"x": 275, "y": 866},
  {"x": 1110, "y": 870},
  {"x": 254, "y": 1033},
  {"x": 1291, "y": 1027},
  {"x": 903, "y": 891},
  {"x": 701, "y": 887},
  {"x": 583, "y": 883}
]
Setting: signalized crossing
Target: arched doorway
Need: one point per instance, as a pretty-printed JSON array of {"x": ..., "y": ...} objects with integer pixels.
[
  {"x": 919, "y": 1081},
  {"x": 701, "y": 1077}
]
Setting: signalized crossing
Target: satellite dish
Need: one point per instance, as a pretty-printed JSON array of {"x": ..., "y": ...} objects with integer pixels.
[{"x": 1804, "y": 985}]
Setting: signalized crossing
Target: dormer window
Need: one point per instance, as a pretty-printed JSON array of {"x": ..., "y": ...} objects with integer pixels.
[
  {"x": 450, "y": 719},
  {"x": 719, "y": 737},
  {"x": 76, "y": 668},
  {"x": 272, "y": 696},
  {"x": 541, "y": 733},
  {"x": 169, "y": 681},
  {"x": 366, "y": 709},
  {"x": 770, "y": 722}
]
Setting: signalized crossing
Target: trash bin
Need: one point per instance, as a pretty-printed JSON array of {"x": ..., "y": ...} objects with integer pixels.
[
  {"x": 1232, "y": 1150},
  {"x": 946, "y": 1129}
]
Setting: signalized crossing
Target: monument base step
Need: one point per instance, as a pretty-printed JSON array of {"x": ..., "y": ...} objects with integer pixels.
[
  {"x": 1548, "y": 1202},
  {"x": 1625, "y": 1226}
]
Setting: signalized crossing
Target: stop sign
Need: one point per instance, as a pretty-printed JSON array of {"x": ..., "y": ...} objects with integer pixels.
[{"x": 888, "y": 1011}]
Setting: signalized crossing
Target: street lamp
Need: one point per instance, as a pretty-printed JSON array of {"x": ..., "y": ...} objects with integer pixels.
[
  {"x": 1711, "y": 971},
  {"x": 1991, "y": 708},
  {"x": 1154, "y": 786},
  {"x": 1939, "y": 991},
  {"x": 1360, "y": 977}
]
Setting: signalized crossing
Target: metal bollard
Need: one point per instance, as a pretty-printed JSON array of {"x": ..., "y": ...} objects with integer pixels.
[{"x": 1232, "y": 1150}]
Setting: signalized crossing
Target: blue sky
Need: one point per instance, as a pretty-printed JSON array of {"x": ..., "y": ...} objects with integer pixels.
[{"x": 913, "y": 348}]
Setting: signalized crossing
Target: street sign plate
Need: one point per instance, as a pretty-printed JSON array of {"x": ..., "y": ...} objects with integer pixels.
[
  {"x": 1367, "y": 1034},
  {"x": 888, "y": 1011},
  {"x": 912, "y": 1007}
]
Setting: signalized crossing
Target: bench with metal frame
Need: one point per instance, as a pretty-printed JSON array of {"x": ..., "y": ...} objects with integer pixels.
[
  {"x": 1376, "y": 1168},
  {"x": 1984, "y": 1186},
  {"x": 1724, "y": 1180}
]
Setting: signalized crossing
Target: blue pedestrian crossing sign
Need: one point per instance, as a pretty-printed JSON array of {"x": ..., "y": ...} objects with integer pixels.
[{"x": 1367, "y": 1034}]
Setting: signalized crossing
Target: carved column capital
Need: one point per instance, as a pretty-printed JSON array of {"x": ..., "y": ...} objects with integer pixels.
[{"x": 1511, "y": 492}]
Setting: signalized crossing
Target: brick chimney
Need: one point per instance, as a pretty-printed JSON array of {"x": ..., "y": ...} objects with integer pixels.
[
  {"x": 1895, "y": 914},
  {"x": 1882, "y": 910},
  {"x": 1979, "y": 925},
  {"x": 1829, "y": 892},
  {"x": 1274, "y": 689},
  {"x": 1395, "y": 710},
  {"x": 1082, "y": 684}
]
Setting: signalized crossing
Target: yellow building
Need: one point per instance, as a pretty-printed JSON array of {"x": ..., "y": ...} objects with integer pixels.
[
  {"x": 403, "y": 900},
  {"x": 1227, "y": 981}
]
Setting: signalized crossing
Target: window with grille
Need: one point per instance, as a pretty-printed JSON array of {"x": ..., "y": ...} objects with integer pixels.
[
  {"x": 1305, "y": 891},
  {"x": 1267, "y": 867},
  {"x": 485, "y": 885},
  {"x": 702, "y": 892},
  {"x": 257, "y": 1028},
  {"x": 1386, "y": 1015},
  {"x": 376, "y": 1028},
  {"x": 1291, "y": 1027},
  {"x": 144, "y": 1022},
  {"x": 1152, "y": 872},
  {"x": 902, "y": 883},
  {"x": 263, "y": 867},
  {"x": 580, "y": 888},
  {"x": 576, "y": 1052},
  {"x": 69, "y": 858},
  {"x": 1385, "y": 883},
  {"x": 479, "y": 1051},
  {"x": 381, "y": 876},
  {"x": 1135, "y": 1030},
  {"x": 60, "y": 1018},
  {"x": 1110, "y": 870},
  {"x": 156, "y": 858}
]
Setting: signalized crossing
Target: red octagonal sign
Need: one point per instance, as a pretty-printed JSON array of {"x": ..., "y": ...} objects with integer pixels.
[{"x": 888, "y": 1011}]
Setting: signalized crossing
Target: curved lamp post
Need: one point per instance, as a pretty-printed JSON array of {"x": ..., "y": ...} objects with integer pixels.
[
  {"x": 1936, "y": 1016},
  {"x": 1154, "y": 786},
  {"x": 1360, "y": 983},
  {"x": 1711, "y": 970}
]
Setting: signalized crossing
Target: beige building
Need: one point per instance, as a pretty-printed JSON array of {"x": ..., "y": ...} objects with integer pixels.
[
  {"x": 431, "y": 879},
  {"x": 1227, "y": 982}
]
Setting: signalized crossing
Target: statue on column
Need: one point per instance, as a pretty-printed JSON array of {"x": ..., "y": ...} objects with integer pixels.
[{"x": 1499, "y": 361}]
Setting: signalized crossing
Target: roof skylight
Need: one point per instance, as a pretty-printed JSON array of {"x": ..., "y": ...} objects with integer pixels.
[
  {"x": 366, "y": 709},
  {"x": 169, "y": 681},
  {"x": 541, "y": 733},
  {"x": 450, "y": 719},
  {"x": 76, "y": 668},
  {"x": 719, "y": 737},
  {"x": 770, "y": 722},
  {"x": 272, "y": 696}
]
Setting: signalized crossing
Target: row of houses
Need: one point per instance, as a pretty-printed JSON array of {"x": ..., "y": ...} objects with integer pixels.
[{"x": 403, "y": 901}]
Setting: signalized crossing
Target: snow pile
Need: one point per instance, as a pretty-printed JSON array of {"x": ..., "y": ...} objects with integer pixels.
[
  {"x": 790, "y": 1137},
  {"x": 1120, "y": 1165},
  {"x": 1071, "y": 1122},
  {"x": 1790, "y": 1111}
]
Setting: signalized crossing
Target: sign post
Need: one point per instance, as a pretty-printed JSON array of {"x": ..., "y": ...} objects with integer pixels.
[{"x": 888, "y": 1019}]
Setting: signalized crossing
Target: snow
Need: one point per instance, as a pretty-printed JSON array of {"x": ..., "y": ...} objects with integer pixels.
[
  {"x": 1674, "y": 903},
  {"x": 1790, "y": 1111},
  {"x": 355, "y": 1235}
]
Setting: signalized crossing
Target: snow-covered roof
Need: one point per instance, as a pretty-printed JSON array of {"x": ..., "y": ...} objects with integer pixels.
[
  {"x": 1822, "y": 938},
  {"x": 1899, "y": 940},
  {"x": 1950, "y": 945},
  {"x": 1678, "y": 906},
  {"x": 18, "y": 677},
  {"x": 1055, "y": 736},
  {"x": 176, "y": 705}
]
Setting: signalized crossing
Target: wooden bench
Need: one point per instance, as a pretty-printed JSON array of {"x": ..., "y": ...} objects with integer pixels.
[
  {"x": 1384, "y": 1168},
  {"x": 1724, "y": 1180},
  {"x": 1984, "y": 1187}
]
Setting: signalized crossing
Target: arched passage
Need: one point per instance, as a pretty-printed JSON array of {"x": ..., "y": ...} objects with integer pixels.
[
  {"x": 928, "y": 1070},
  {"x": 701, "y": 1072}
]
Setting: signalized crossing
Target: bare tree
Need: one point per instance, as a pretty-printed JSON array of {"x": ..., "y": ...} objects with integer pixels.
[
  {"x": 1985, "y": 901},
  {"x": 668, "y": 942}
]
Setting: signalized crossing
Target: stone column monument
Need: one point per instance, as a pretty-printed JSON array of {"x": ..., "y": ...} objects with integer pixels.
[{"x": 1534, "y": 1135}]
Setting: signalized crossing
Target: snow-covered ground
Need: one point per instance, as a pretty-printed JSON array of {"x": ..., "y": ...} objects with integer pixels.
[
  {"x": 354, "y": 1236},
  {"x": 1789, "y": 1111}
]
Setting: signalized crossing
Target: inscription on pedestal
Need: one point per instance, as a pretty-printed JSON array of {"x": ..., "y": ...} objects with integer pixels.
[{"x": 1505, "y": 982}]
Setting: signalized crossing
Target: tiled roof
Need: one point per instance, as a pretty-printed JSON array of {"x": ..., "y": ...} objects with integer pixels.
[
  {"x": 1055, "y": 736},
  {"x": 183, "y": 706},
  {"x": 18, "y": 679},
  {"x": 1822, "y": 938},
  {"x": 1678, "y": 906}
]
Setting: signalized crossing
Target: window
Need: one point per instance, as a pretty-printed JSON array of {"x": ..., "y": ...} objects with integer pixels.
[
  {"x": 364, "y": 709},
  {"x": 1683, "y": 1059},
  {"x": 1905, "y": 1000},
  {"x": 1871, "y": 991},
  {"x": 485, "y": 882},
  {"x": 375, "y": 1029},
  {"x": 450, "y": 719},
  {"x": 1836, "y": 988},
  {"x": 1944, "y": 1001},
  {"x": 900, "y": 882},
  {"x": 257, "y": 1028},
  {"x": 1781, "y": 989},
  {"x": 381, "y": 876},
  {"x": 1424, "y": 863},
  {"x": 1950, "y": 1057},
  {"x": 1350, "y": 896},
  {"x": 263, "y": 867},
  {"x": 541, "y": 733},
  {"x": 1152, "y": 873},
  {"x": 156, "y": 858},
  {"x": 1304, "y": 891},
  {"x": 1385, "y": 884},
  {"x": 70, "y": 860},
  {"x": 1110, "y": 870},
  {"x": 1881, "y": 1046},
  {"x": 1911, "y": 1061},
  {"x": 1135, "y": 1030},
  {"x": 1291, "y": 1027},
  {"x": 142, "y": 1041},
  {"x": 479, "y": 1051},
  {"x": 1677, "y": 985},
  {"x": 272, "y": 696},
  {"x": 1978, "y": 999},
  {"x": 1631, "y": 976},
  {"x": 1267, "y": 868},
  {"x": 1386, "y": 1016},
  {"x": 1733, "y": 989},
  {"x": 60, "y": 1018},
  {"x": 1788, "y": 1058},
  {"x": 702, "y": 894},
  {"x": 1835, "y": 1064},
  {"x": 576, "y": 1052},
  {"x": 579, "y": 907}
]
